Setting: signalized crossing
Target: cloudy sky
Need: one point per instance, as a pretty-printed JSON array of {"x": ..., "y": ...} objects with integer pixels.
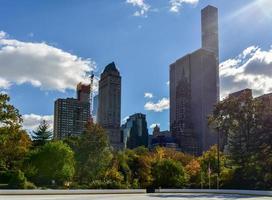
[{"x": 47, "y": 47}]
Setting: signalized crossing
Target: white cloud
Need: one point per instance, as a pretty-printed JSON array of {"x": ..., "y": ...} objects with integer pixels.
[
  {"x": 175, "y": 5},
  {"x": 4, "y": 84},
  {"x": 40, "y": 65},
  {"x": 32, "y": 121},
  {"x": 161, "y": 105},
  {"x": 141, "y": 5},
  {"x": 2, "y": 34},
  {"x": 148, "y": 95},
  {"x": 168, "y": 83},
  {"x": 250, "y": 69},
  {"x": 154, "y": 125}
]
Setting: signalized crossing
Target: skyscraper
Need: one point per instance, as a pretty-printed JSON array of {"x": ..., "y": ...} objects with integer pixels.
[
  {"x": 95, "y": 108},
  {"x": 109, "y": 104},
  {"x": 71, "y": 115},
  {"x": 135, "y": 132},
  {"x": 194, "y": 89}
]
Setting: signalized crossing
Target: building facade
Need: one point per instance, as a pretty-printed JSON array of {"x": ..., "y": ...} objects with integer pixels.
[
  {"x": 134, "y": 131},
  {"x": 246, "y": 92},
  {"x": 162, "y": 139},
  {"x": 194, "y": 90},
  {"x": 71, "y": 115},
  {"x": 109, "y": 104},
  {"x": 95, "y": 108},
  {"x": 266, "y": 99}
]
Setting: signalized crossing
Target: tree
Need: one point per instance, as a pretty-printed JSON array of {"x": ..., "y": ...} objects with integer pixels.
[
  {"x": 209, "y": 169},
  {"x": 42, "y": 134},
  {"x": 93, "y": 155},
  {"x": 168, "y": 173},
  {"x": 245, "y": 125},
  {"x": 14, "y": 142},
  {"x": 9, "y": 115},
  {"x": 264, "y": 142},
  {"x": 52, "y": 162},
  {"x": 193, "y": 169}
]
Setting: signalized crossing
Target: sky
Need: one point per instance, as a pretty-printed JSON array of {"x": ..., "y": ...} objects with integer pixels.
[{"x": 48, "y": 46}]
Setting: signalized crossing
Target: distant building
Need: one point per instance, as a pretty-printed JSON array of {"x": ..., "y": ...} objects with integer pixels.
[
  {"x": 194, "y": 90},
  {"x": 109, "y": 101},
  {"x": 135, "y": 132},
  {"x": 266, "y": 100},
  {"x": 95, "y": 108},
  {"x": 237, "y": 94},
  {"x": 71, "y": 115},
  {"x": 162, "y": 139}
]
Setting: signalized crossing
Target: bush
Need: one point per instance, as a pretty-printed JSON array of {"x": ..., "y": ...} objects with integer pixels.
[
  {"x": 5, "y": 176},
  {"x": 18, "y": 180},
  {"x": 106, "y": 185},
  {"x": 29, "y": 185},
  {"x": 168, "y": 173}
]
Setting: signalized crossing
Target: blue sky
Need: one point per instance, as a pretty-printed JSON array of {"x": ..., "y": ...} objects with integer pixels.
[{"x": 46, "y": 47}]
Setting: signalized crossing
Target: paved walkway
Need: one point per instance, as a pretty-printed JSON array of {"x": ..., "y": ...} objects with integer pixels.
[{"x": 135, "y": 197}]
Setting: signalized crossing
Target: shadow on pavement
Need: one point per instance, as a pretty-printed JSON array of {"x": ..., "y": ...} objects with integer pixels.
[{"x": 207, "y": 196}]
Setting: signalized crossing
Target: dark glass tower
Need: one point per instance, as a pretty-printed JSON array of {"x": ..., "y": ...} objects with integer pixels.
[
  {"x": 135, "y": 132},
  {"x": 194, "y": 89}
]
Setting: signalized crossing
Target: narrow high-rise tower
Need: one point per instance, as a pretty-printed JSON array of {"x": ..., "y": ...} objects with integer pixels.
[
  {"x": 209, "y": 28},
  {"x": 210, "y": 39},
  {"x": 109, "y": 104},
  {"x": 194, "y": 89}
]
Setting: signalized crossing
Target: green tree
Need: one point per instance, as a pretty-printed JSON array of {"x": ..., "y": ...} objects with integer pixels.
[
  {"x": 264, "y": 142},
  {"x": 242, "y": 125},
  {"x": 93, "y": 154},
  {"x": 209, "y": 169},
  {"x": 52, "y": 162},
  {"x": 42, "y": 134},
  {"x": 168, "y": 173}
]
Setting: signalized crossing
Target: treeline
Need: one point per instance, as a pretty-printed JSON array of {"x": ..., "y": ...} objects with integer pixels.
[{"x": 88, "y": 161}]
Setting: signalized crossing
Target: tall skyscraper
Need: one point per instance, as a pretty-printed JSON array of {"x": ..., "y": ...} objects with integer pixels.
[
  {"x": 210, "y": 38},
  {"x": 109, "y": 104},
  {"x": 95, "y": 108},
  {"x": 71, "y": 115},
  {"x": 135, "y": 132},
  {"x": 194, "y": 89}
]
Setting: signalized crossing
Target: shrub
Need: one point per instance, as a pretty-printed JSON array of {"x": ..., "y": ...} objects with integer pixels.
[{"x": 18, "y": 180}]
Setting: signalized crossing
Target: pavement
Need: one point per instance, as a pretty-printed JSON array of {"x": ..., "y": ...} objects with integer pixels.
[{"x": 135, "y": 197}]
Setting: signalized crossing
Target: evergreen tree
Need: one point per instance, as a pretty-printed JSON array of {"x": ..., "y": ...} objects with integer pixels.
[{"x": 42, "y": 134}]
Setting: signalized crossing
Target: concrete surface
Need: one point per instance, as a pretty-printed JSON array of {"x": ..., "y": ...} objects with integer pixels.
[
  {"x": 214, "y": 191},
  {"x": 164, "y": 196}
]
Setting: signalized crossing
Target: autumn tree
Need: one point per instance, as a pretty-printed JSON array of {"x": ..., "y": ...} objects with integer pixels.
[{"x": 14, "y": 142}]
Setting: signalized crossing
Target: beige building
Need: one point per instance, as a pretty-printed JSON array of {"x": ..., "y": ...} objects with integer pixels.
[{"x": 109, "y": 104}]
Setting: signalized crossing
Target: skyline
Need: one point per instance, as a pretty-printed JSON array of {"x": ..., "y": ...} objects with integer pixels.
[{"x": 151, "y": 97}]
